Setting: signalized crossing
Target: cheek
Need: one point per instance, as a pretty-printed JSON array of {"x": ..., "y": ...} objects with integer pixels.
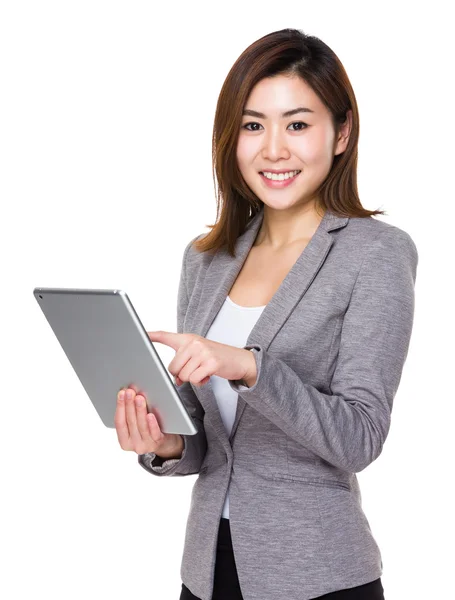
[
  {"x": 241, "y": 156},
  {"x": 316, "y": 149},
  {"x": 244, "y": 151}
]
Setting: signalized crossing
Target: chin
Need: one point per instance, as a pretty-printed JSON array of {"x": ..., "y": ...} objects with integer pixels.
[{"x": 280, "y": 204}]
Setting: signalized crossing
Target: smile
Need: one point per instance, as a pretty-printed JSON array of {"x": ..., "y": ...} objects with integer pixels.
[{"x": 281, "y": 180}]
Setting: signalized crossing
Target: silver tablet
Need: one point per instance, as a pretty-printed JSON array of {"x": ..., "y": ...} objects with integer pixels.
[{"x": 108, "y": 347}]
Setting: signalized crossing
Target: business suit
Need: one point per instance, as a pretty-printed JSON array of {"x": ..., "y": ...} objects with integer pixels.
[{"x": 329, "y": 348}]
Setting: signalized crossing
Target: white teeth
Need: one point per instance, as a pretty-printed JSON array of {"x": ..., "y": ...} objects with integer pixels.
[{"x": 279, "y": 176}]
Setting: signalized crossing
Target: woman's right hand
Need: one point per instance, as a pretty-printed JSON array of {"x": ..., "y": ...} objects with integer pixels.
[{"x": 138, "y": 430}]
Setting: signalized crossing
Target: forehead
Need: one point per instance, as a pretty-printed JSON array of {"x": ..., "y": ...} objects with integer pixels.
[{"x": 274, "y": 95}]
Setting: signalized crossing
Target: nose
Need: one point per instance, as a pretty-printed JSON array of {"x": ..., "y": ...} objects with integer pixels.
[{"x": 275, "y": 145}]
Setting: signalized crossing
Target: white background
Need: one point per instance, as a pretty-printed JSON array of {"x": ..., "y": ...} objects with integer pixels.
[{"x": 106, "y": 114}]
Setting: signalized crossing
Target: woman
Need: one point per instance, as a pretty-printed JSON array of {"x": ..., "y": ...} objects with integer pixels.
[{"x": 294, "y": 320}]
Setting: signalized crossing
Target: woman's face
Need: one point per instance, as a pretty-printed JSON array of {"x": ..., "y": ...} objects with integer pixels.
[{"x": 303, "y": 141}]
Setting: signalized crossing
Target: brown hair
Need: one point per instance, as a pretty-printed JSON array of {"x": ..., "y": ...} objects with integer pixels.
[{"x": 289, "y": 52}]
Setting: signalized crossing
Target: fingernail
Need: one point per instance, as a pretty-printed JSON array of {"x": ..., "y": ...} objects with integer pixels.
[{"x": 139, "y": 401}]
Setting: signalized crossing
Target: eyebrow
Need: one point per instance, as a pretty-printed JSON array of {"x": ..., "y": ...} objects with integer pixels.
[{"x": 288, "y": 113}]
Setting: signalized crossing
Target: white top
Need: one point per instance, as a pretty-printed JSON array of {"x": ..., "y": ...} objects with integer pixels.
[{"x": 232, "y": 326}]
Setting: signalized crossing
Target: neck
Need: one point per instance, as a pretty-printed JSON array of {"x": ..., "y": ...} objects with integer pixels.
[{"x": 281, "y": 229}]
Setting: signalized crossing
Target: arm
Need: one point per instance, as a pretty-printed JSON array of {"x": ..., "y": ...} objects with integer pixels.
[
  {"x": 348, "y": 427},
  {"x": 191, "y": 453}
]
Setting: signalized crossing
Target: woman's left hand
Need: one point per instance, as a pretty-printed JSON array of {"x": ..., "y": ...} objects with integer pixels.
[{"x": 197, "y": 358}]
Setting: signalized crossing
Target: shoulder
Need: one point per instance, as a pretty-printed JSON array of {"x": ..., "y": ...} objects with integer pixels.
[
  {"x": 369, "y": 234},
  {"x": 190, "y": 251},
  {"x": 192, "y": 257}
]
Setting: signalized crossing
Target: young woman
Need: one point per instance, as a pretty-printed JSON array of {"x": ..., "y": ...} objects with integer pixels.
[{"x": 294, "y": 320}]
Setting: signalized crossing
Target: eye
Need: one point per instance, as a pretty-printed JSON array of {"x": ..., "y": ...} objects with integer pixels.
[
  {"x": 300, "y": 123},
  {"x": 246, "y": 126}
]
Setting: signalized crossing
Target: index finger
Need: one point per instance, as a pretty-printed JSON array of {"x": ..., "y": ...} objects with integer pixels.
[{"x": 168, "y": 338}]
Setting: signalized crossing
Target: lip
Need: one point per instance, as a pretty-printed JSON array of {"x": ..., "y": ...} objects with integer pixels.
[
  {"x": 278, "y": 171},
  {"x": 279, "y": 184}
]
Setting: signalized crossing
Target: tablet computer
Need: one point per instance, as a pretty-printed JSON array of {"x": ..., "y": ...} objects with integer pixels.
[{"x": 108, "y": 347}]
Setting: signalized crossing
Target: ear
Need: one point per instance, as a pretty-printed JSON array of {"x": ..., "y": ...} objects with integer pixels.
[{"x": 343, "y": 134}]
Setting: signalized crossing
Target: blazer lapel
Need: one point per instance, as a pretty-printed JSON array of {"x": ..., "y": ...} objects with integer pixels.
[{"x": 220, "y": 277}]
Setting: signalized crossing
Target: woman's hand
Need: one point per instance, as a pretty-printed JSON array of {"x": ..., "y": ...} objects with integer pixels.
[
  {"x": 198, "y": 358},
  {"x": 139, "y": 431}
]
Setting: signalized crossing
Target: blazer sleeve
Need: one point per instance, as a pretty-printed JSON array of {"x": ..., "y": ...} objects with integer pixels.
[
  {"x": 348, "y": 427},
  {"x": 195, "y": 446}
]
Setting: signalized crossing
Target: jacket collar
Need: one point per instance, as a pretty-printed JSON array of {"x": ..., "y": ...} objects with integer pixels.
[
  {"x": 220, "y": 277},
  {"x": 224, "y": 269}
]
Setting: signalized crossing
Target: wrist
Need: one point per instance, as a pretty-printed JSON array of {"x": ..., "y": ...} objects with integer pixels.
[
  {"x": 175, "y": 451},
  {"x": 249, "y": 379}
]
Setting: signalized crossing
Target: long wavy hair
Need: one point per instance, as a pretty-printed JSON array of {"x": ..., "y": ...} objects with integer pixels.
[{"x": 285, "y": 52}]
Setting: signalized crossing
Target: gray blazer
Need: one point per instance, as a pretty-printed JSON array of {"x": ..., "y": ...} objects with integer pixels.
[{"x": 329, "y": 348}]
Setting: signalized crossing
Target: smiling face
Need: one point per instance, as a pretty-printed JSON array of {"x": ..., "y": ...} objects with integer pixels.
[{"x": 304, "y": 141}]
